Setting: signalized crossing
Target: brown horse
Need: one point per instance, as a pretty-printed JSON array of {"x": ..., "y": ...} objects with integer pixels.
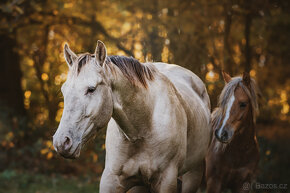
[{"x": 233, "y": 155}]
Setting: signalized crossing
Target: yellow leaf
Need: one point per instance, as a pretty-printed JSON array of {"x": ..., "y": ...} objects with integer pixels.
[
  {"x": 49, "y": 155},
  {"x": 95, "y": 157},
  {"x": 4, "y": 143},
  {"x": 48, "y": 143},
  {"x": 11, "y": 145},
  {"x": 44, "y": 151},
  {"x": 44, "y": 76},
  {"x": 27, "y": 94},
  {"x": 9, "y": 136},
  {"x": 58, "y": 115}
]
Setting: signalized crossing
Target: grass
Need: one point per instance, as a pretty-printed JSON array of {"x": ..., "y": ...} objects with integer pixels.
[{"x": 27, "y": 182}]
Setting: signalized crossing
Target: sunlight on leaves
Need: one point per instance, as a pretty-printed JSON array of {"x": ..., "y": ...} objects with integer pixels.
[
  {"x": 211, "y": 76},
  {"x": 58, "y": 115},
  {"x": 27, "y": 94},
  {"x": 44, "y": 76}
]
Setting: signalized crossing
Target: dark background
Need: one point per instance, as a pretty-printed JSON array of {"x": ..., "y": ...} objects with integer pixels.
[{"x": 204, "y": 36}]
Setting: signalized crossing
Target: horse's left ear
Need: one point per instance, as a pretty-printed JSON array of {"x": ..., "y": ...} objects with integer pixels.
[
  {"x": 69, "y": 55},
  {"x": 226, "y": 76},
  {"x": 246, "y": 79},
  {"x": 100, "y": 53}
]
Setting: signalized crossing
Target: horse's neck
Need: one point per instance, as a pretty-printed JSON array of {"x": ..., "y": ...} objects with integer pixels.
[
  {"x": 132, "y": 109},
  {"x": 246, "y": 135},
  {"x": 245, "y": 139}
]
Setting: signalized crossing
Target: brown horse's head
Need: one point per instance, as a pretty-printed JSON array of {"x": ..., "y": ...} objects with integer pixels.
[{"x": 237, "y": 107}]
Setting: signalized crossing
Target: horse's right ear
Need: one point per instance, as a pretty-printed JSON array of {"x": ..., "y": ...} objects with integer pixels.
[
  {"x": 247, "y": 79},
  {"x": 69, "y": 55},
  {"x": 100, "y": 53},
  {"x": 226, "y": 76}
]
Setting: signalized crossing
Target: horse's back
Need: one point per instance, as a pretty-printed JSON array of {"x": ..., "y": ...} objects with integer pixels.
[
  {"x": 182, "y": 77},
  {"x": 197, "y": 105}
]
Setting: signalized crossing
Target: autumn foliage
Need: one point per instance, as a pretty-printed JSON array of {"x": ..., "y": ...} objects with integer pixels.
[{"x": 204, "y": 36}]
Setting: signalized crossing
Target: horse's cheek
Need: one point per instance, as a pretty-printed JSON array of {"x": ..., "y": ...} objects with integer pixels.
[{"x": 103, "y": 111}]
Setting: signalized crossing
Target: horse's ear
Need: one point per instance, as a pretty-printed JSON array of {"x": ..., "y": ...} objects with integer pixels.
[
  {"x": 100, "y": 53},
  {"x": 246, "y": 79},
  {"x": 226, "y": 76},
  {"x": 69, "y": 55}
]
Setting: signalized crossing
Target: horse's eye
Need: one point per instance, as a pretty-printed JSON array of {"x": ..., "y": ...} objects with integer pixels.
[
  {"x": 243, "y": 105},
  {"x": 91, "y": 89}
]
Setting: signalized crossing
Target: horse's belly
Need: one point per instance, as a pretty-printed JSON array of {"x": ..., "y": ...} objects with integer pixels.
[{"x": 198, "y": 141}]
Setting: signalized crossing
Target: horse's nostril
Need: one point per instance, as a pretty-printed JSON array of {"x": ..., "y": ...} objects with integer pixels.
[
  {"x": 224, "y": 135},
  {"x": 67, "y": 143}
]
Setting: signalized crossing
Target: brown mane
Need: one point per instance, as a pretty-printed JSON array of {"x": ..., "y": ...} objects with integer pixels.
[{"x": 132, "y": 69}]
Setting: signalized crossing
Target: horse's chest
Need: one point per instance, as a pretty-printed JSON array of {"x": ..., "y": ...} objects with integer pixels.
[
  {"x": 140, "y": 166},
  {"x": 242, "y": 157},
  {"x": 147, "y": 163}
]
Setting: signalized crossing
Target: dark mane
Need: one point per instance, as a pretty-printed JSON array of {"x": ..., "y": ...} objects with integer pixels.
[{"x": 132, "y": 69}]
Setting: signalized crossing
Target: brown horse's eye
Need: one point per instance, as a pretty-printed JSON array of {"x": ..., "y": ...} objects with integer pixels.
[
  {"x": 91, "y": 89},
  {"x": 243, "y": 105}
]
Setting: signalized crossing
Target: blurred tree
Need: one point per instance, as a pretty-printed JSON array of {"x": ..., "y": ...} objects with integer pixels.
[
  {"x": 11, "y": 93},
  {"x": 204, "y": 36}
]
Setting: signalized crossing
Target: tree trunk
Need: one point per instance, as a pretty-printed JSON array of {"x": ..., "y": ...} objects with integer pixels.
[
  {"x": 156, "y": 42},
  {"x": 227, "y": 53},
  {"x": 248, "y": 22},
  {"x": 11, "y": 94}
]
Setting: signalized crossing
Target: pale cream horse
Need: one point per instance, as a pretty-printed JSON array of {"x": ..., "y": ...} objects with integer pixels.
[{"x": 157, "y": 114}]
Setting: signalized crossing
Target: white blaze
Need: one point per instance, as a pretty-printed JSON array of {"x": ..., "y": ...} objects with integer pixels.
[{"x": 229, "y": 107}]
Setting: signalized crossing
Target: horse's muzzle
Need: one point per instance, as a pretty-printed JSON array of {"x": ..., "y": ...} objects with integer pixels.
[
  {"x": 224, "y": 136},
  {"x": 64, "y": 146}
]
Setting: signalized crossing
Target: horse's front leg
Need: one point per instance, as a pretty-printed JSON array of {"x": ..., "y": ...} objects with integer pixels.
[
  {"x": 192, "y": 179},
  {"x": 213, "y": 185},
  {"x": 111, "y": 183},
  {"x": 166, "y": 182}
]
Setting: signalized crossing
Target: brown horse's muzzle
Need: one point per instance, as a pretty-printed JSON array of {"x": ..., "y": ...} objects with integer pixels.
[{"x": 224, "y": 134}]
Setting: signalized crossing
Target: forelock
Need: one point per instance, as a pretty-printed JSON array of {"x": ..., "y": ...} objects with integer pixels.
[
  {"x": 81, "y": 61},
  {"x": 229, "y": 91}
]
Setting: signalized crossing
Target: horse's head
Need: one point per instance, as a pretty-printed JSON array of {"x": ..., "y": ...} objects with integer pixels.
[
  {"x": 88, "y": 102},
  {"x": 238, "y": 103}
]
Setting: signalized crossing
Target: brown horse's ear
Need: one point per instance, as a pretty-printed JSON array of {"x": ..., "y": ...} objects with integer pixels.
[
  {"x": 100, "y": 53},
  {"x": 226, "y": 76},
  {"x": 246, "y": 79},
  {"x": 69, "y": 55}
]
